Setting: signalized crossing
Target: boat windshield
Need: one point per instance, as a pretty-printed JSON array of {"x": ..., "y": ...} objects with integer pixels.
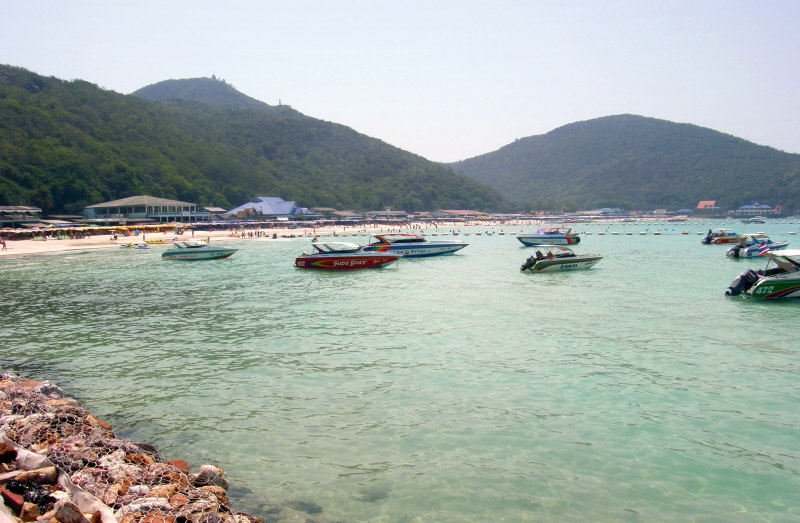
[
  {"x": 383, "y": 239},
  {"x": 340, "y": 247},
  {"x": 558, "y": 251},
  {"x": 190, "y": 244}
]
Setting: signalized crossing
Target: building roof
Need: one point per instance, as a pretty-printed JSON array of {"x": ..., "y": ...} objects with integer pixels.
[
  {"x": 462, "y": 212},
  {"x": 704, "y": 204},
  {"x": 18, "y": 208},
  {"x": 139, "y": 200},
  {"x": 755, "y": 206},
  {"x": 269, "y": 206},
  {"x": 605, "y": 210}
]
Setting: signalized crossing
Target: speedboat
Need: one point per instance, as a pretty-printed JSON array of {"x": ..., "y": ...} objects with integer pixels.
[
  {"x": 191, "y": 250},
  {"x": 559, "y": 258},
  {"x": 550, "y": 236},
  {"x": 343, "y": 256},
  {"x": 411, "y": 245},
  {"x": 755, "y": 219},
  {"x": 134, "y": 246},
  {"x": 720, "y": 236},
  {"x": 751, "y": 245},
  {"x": 779, "y": 279}
]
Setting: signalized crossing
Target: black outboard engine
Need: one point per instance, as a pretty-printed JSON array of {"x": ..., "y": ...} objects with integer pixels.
[
  {"x": 530, "y": 262},
  {"x": 577, "y": 240},
  {"x": 741, "y": 284},
  {"x": 734, "y": 251},
  {"x": 707, "y": 239}
]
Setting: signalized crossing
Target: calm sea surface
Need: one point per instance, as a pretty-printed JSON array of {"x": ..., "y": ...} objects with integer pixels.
[{"x": 447, "y": 389}]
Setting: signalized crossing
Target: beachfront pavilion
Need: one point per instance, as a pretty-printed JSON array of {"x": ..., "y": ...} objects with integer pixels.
[
  {"x": 268, "y": 208},
  {"x": 18, "y": 215},
  {"x": 143, "y": 209},
  {"x": 755, "y": 209}
]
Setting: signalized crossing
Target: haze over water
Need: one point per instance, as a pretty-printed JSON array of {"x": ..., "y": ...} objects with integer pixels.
[{"x": 446, "y": 389}]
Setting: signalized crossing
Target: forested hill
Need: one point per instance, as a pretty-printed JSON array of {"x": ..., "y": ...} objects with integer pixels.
[
  {"x": 216, "y": 93},
  {"x": 635, "y": 162},
  {"x": 68, "y": 144}
]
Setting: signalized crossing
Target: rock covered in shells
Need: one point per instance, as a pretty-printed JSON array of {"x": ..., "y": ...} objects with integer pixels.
[
  {"x": 209, "y": 475},
  {"x": 129, "y": 478}
]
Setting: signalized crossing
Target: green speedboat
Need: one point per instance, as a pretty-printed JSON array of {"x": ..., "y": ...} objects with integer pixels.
[
  {"x": 192, "y": 250},
  {"x": 779, "y": 279}
]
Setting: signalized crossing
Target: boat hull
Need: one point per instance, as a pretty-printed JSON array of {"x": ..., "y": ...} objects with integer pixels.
[
  {"x": 531, "y": 240},
  {"x": 571, "y": 264},
  {"x": 724, "y": 240},
  {"x": 197, "y": 254},
  {"x": 345, "y": 263},
  {"x": 775, "y": 288},
  {"x": 755, "y": 251},
  {"x": 416, "y": 251}
]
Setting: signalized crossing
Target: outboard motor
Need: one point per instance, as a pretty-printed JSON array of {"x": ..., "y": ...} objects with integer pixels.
[
  {"x": 530, "y": 262},
  {"x": 707, "y": 239},
  {"x": 741, "y": 284},
  {"x": 734, "y": 251}
]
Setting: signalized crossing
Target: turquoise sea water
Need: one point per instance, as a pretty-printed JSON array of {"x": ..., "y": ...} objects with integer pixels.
[{"x": 446, "y": 389}]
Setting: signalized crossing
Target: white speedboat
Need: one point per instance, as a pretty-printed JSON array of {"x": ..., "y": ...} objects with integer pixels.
[
  {"x": 752, "y": 245},
  {"x": 343, "y": 256},
  {"x": 779, "y": 279},
  {"x": 550, "y": 236},
  {"x": 194, "y": 250},
  {"x": 558, "y": 258},
  {"x": 411, "y": 245}
]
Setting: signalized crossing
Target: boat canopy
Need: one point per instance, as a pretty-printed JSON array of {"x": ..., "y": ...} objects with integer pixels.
[
  {"x": 560, "y": 248},
  {"x": 555, "y": 230},
  {"x": 788, "y": 260}
]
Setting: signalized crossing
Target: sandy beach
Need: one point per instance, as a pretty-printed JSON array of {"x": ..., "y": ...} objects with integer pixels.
[{"x": 36, "y": 247}]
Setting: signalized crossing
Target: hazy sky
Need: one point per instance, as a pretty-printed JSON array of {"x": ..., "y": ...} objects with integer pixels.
[{"x": 446, "y": 79}]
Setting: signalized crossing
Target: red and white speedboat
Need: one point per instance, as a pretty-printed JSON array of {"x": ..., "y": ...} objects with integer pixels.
[{"x": 343, "y": 256}]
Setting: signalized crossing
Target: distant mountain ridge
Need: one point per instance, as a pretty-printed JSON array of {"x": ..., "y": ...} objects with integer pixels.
[
  {"x": 636, "y": 162},
  {"x": 65, "y": 145}
]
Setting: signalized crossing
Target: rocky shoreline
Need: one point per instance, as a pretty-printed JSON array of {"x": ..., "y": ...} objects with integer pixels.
[{"x": 58, "y": 463}]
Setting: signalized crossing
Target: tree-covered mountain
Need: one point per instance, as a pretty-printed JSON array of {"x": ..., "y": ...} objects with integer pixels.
[
  {"x": 216, "y": 93},
  {"x": 635, "y": 162},
  {"x": 68, "y": 144}
]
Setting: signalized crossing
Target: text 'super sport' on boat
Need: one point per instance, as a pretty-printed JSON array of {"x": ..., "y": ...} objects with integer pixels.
[
  {"x": 343, "y": 256},
  {"x": 779, "y": 279},
  {"x": 195, "y": 250},
  {"x": 550, "y": 236},
  {"x": 558, "y": 258},
  {"x": 411, "y": 245}
]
